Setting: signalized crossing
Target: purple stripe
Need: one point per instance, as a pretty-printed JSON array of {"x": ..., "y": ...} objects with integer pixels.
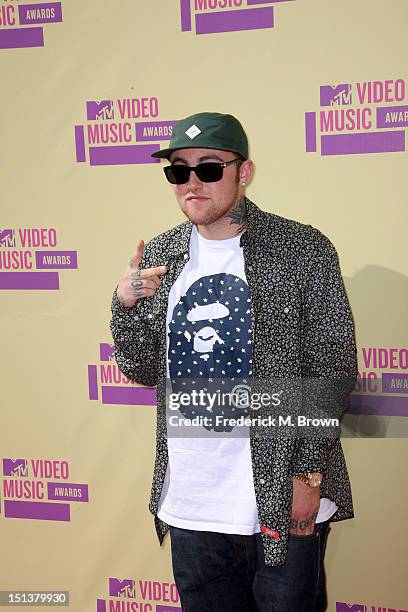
[
  {"x": 151, "y": 127},
  {"x": 378, "y": 404},
  {"x": 92, "y": 382},
  {"x": 52, "y": 494},
  {"x": 100, "y": 605},
  {"x": 42, "y": 511},
  {"x": 20, "y": 38},
  {"x": 24, "y": 10},
  {"x": 29, "y": 280},
  {"x": 129, "y": 396},
  {"x": 234, "y": 21},
  {"x": 310, "y": 129},
  {"x": 370, "y": 142},
  {"x": 80, "y": 143},
  {"x": 41, "y": 263},
  {"x": 126, "y": 154},
  {"x": 390, "y": 381},
  {"x": 185, "y": 15},
  {"x": 167, "y": 609},
  {"x": 382, "y": 115}
]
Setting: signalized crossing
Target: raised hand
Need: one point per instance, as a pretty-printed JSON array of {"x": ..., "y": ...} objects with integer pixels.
[{"x": 137, "y": 284}]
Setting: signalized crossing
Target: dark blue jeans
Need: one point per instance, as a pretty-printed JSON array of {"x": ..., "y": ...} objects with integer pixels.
[{"x": 218, "y": 572}]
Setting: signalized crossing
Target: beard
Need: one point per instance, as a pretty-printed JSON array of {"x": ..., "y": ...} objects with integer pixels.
[{"x": 208, "y": 212}]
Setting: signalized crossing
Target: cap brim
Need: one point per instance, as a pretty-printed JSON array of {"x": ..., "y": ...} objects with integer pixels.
[{"x": 162, "y": 153}]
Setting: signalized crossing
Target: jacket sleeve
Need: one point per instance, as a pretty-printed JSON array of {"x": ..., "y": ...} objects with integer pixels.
[
  {"x": 135, "y": 346},
  {"x": 329, "y": 360}
]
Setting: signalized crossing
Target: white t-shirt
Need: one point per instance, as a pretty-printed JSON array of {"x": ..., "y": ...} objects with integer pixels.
[{"x": 209, "y": 483}]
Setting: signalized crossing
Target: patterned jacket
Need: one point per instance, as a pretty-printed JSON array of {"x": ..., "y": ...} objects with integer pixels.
[{"x": 301, "y": 327}]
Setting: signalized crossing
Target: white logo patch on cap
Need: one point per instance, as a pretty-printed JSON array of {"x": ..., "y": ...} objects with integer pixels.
[{"x": 193, "y": 131}]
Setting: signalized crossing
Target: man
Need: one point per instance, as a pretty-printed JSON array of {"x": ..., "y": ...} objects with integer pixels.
[{"x": 236, "y": 292}]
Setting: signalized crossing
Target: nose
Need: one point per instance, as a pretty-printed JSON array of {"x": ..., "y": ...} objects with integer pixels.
[{"x": 193, "y": 182}]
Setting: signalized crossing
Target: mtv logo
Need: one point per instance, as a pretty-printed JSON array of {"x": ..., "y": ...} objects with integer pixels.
[
  {"x": 106, "y": 351},
  {"x": 15, "y": 467},
  {"x": 102, "y": 110},
  {"x": 344, "y": 607},
  {"x": 340, "y": 95},
  {"x": 7, "y": 238},
  {"x": 122, "y": 588}
]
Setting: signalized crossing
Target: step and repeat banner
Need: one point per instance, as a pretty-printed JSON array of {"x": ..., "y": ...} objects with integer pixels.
[{"x": 89, "y": 91}]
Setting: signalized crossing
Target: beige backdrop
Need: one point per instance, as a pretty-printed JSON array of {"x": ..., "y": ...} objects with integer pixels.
[{"x": 269, "y": 78}]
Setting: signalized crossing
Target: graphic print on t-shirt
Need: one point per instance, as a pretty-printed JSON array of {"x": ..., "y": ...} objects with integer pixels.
[{"x": 210, "y": 338}]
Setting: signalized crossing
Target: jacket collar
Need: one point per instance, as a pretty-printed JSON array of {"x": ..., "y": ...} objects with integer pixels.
[{"x": 258, "y": 223}]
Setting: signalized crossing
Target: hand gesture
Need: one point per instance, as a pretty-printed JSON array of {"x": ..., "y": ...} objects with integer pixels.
[{"x": 137, "y": 284}]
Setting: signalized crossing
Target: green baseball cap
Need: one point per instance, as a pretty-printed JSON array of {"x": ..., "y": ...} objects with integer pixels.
[{"x": 208, "y": 131}]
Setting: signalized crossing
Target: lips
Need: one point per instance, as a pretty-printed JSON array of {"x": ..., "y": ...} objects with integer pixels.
[{"x": 196, "y": 198}]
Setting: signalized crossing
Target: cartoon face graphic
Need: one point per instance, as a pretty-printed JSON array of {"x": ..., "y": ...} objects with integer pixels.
[{"x": 210, "y": 337}]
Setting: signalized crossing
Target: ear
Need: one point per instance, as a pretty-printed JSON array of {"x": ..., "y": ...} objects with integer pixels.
[{"x": 246, "y": 171}]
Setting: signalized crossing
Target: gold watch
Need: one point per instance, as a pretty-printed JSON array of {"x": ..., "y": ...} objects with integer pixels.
[{"x": 313, "y": 479}]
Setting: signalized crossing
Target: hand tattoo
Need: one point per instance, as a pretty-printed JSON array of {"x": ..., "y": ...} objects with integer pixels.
[{"x": 238, "y": 215}]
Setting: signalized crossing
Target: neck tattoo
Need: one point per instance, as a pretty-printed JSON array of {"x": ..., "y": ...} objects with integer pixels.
[{"x": 238, "y": 215}]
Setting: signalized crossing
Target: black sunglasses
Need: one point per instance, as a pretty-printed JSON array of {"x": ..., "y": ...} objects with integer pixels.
[{"x": 207, "y": 172}]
